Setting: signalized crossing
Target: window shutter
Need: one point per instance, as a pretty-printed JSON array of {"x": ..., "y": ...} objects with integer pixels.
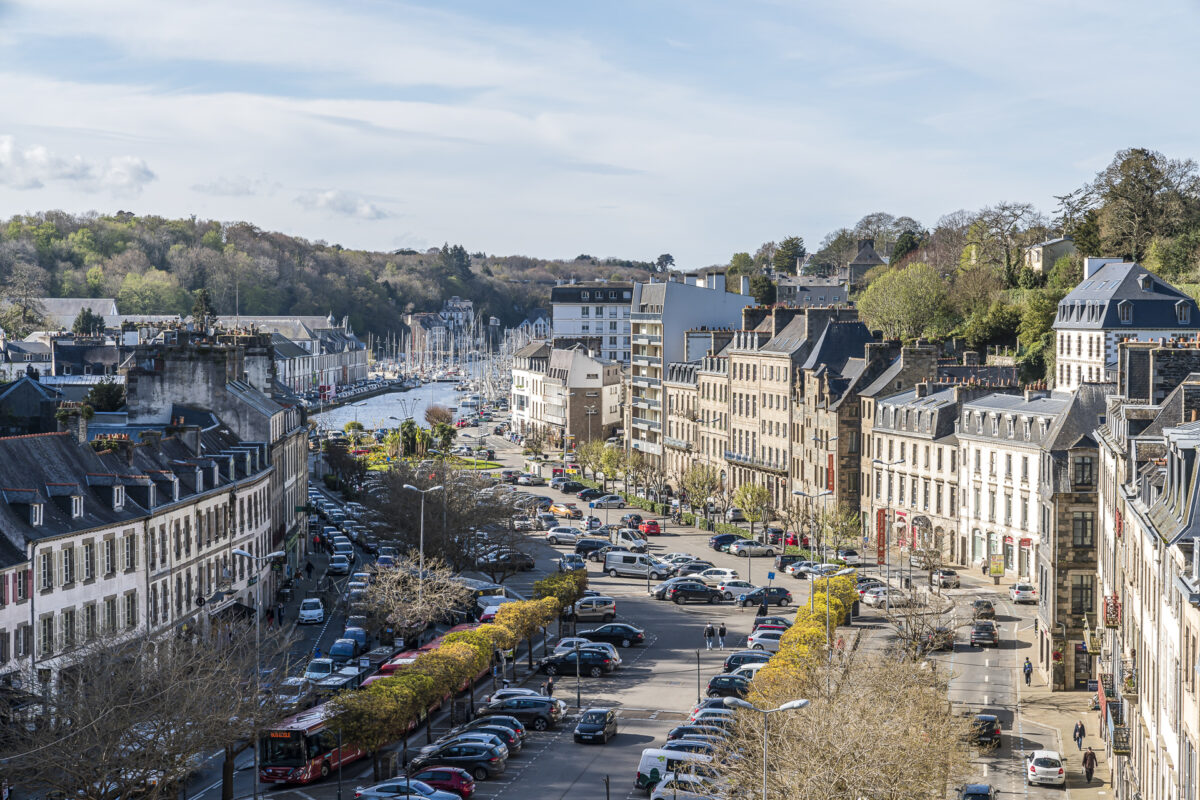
[
  {"x": 29, "y": 582},
  {"x": 4, "y": 593}
]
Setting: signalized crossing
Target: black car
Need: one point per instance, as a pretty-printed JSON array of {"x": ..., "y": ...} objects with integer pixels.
[
  {"x": 585, "y": 547},
  {"x": 508, "y": 560},
  {"x": 983, "y": 609},
  {"x": 537, "y": 712},
  {"x": 984, "y": 633},
  {"x": 940, "y": 638},
  {"x": 619, "y": 633},
  {"x": 590, "y": 494},
  {"x": 773, "y": 535},
  {"x": 692, "y": 567},
  {"x": 728, "y": 686},
  {"x": 985, "y": 730},
  {"x": 977, "y": 791},
  {"x": 599, "y": 553},
  {"x": 692, "y": 592},
  {"x": 496, "y": 721},
  {"x": 569, "y": 487},
  {"x": 596, "y": 725},
  {"x": 591, "y": 662},
  {"x": 480, "y": 759},
  {"x": 722, "y": 540},
  {"x": 691, "y": 746},
  {"x": 760, "y": 621},
  {"x": 512, "y": 740},
  {"x": 774, "y": 595},
  {"x": 343, "y": 651},
  {"x": 679, "y": 731},
  {"x": 743, "y": 657}
]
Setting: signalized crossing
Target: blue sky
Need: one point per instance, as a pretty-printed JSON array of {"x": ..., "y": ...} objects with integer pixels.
[{"x": 547, "y": 128}]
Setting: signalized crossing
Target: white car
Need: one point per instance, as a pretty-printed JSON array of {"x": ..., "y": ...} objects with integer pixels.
[
  {"x": 800, "y": 568},
  {"x": 318, "y": 668},
  {"x": 731, "y": 589},
  {"x": 886, "y": 596},
  {"x": 699, "y": 716},
  {"x": 749, "y": 547},
  {"x": 530, "y": 480},
  {"x": 735, "y": 515},
  {"x": 717, "y": 575},
  {"x": 1045, "y": 766},
  {"x": 608, "y": 501},
  {"x": 851, "y": 557},
  {"x": 568, "y": 644},
  {"x": 678, "y": 558},
  {"x": 563, "y": 534},
  {"x": 311, "y": 611},
  {"x": 748, "y": 671},
  {"x": 1023, "y": 593},
  {"x": 764, "y": 640},
  {"x": 608, "y": 649},
  {"x": 682, "y": 786},
  {"x": 339, "y": 565}
]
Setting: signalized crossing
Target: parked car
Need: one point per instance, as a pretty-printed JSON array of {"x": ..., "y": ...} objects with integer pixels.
[
  {"x": 750, "y": 547},
  {"x": 571, "y": 562},
  {"x": 886, "y": 597},
  {"x": 733, "y": 588},
  {"x": 618, "y": 633},
  {"x": 649, "y": 528},
  {"x": 318, "y": 669},
  {"x": 482, "y": 760},
  {"x": 692, "y": 568},
  {"x": 977, "y": 791},
  {"x": 781, "y": 623},
  {"x": 596, "y": 724},
  {"x": 868, "y": 585},
  {"x": 587, "y": 546},
  {"x": 715, "y": 576},
  {"x": 735, "y": 515},
  {"x": 529, "y": 479},
  {"x": 764, "y": 640},
  {"x": 984, "y": 633},
  {"x": 742, "y": 657},
  {"x": 693, "y": 591},
  {"x": 571, "y": 487},
  {"x": 585, "y": 662},
  {"x": 775, "y": 595},
  {"x": 946, "y": 578},
  {"x": 631, "y": 520},
  {"x": 608, "y": 501},
  {"x": 568, "y": 510},
  {"x": 593, "y": 608},
  {"x": 344, "y": 650},
  {"x": 940, "y": 638},
  {"x": 311, "y": 611},
  {"x": 850, "y": 556},
  {"x": 721, "y": 541},
  {"x": 689, "y": 730},
  {"x": 727, "y": 686},
  {"x": 338, "y": 565},
  {"x": 1045, "y": 766},
  {"x": 535, "y": 711},
  {"x": 402, "y": 789},
  {"x": 509, "y": 559},
  {"x": 589, "y": 494},
  {"x": 563, "y": 534},
  {"x": 447, "y": 779},
  {"x": 1023, "y": 593},
  {"x": 800, "y": 569}
]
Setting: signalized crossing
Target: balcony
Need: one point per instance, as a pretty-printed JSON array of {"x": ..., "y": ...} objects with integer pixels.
[
  {"x": 646, "y": 361},
  {"x": 646, "y": 339},
  {"x": 678, "y": 444},
  {"x": 653, "y": 448},
  {"x": 1120, "y": 740},
  {"x": 646, "y": 402},
  {"x": 643, "y": 380},
  {"x": 756, "y": 463},
  {"x": 1093, "y": 642},
  {"x": 642, "y": 316},
  {"x": 648, "y": 424}
]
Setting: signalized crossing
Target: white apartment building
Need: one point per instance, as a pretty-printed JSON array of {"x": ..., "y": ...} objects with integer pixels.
[
  {"x": 661, "y": 315},
  {"x": 1115, "y": 301},
  {"x": 595, "y": 315},
  {"x": 528, "y": 400},
  {"x": 564, "y": 393}
]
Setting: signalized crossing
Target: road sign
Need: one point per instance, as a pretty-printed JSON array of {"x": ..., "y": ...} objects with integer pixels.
[{"x": 770, "y": 576}]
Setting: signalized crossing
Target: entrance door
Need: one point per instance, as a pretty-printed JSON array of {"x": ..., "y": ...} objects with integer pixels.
[{"x": 1083, "y": 667}]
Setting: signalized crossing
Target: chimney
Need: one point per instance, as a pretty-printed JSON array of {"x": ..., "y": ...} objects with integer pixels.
[
  {"x": 922, "y": 389},
  {"x": 970, "y": 358},
  {"x": 744, "y": 285},
  {"x": 1031, "y": 393}
]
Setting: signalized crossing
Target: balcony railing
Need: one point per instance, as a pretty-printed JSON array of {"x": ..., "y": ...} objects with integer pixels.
[
  {"x": 646, "y": 402},
  {"x": 678, "y": 444},
  {"x": 751, "y": 461},
  {"x": 646, "y": 423},
  {"x": 645, "y": 360},
  {"x": 1120, "y": 740},
  {"x": 1093, "y": 642}
]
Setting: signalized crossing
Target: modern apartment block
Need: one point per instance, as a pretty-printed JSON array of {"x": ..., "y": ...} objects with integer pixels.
[
  {"x": 565, "y": 394},
  {"x": 661, "y": 313},
  {"x": 595, "y": 315}
]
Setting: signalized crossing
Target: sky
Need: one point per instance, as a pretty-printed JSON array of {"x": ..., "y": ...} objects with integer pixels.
[{"x": 698, "y": 128}]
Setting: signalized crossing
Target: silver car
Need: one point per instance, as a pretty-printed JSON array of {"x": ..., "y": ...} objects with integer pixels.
[{"x": 749, "y": 547}]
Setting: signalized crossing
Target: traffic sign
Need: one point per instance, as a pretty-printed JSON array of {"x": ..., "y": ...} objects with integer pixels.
[{"x": 770, "y": 576}]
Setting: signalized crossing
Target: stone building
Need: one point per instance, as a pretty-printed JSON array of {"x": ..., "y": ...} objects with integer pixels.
[{"x": 681, "y": 391}]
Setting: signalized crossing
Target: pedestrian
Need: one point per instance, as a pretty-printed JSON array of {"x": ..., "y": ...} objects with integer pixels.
[
  {"x": 1078, "y": 735},
  {"x": 1028, "y": 670},
  {"x": 1089, "y": 764},
  {"x": 308, "y": 569},
  {"x": 762, "y": 610},
  {"x": 270, "y": 616},
  {"x": 279, "y": 612},
  {"x": 543, "y": 688},
  {"x": 721, "y": 636},
  {"x": 550, "y": 686},
  {"x": 983, "y": 568},
  {"x": 709, "y": 633}
]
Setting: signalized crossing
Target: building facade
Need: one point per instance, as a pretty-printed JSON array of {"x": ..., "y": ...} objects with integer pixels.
[{"x": 596, "y": 314}]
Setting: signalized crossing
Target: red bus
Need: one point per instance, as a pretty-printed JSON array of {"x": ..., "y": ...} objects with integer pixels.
[{"x": 302, "y": 749}]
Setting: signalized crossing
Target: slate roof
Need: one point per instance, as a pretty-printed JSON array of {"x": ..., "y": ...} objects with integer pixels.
[
  {"x": 60, "y": 312},
  {"x": 791, "y": 339},
  {"x": 1095, "y": 303},
  {"x": 1078, "y": 419},
  {"x": 837, "y": 344},
  {"x": 533, "y": 350},
  {"x": 867, "y": 257},
  {"x": 285, "y": 347}
]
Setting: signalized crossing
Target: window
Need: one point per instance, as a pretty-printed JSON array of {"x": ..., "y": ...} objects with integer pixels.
[
  {"x": 978, "y": 456},
  {"x": 68, "y": 628},
  {"x": 68, "y": 565},
  {"x": 118, "y": 496},
  {"x": 23, "y": 641},
  {"x": 46, "y": 635},
  {"x": 1008, "y": 470},
  {"x": 1024, "y": 513},
  {"x": 89, "y": 561},
  {"x": 1125, "y": 312},
  {"x": 35, "y": 514},
  {"x": 76, "y": 506},
  {"x": 89, "y": 621},
  {"x": 130, "y": 551},
  {"x": 1183, "y": 312},
  {"x": 1082, "y": 593},
  {"x": 1008, "y": 509},
  {"x": 131, "y": 615},
  {"x": 110, "y": 614},
  {"x": 46, "y": 571},
  {"x": 1084, "y": 471},
  {"x": 1083, "y": 528},
  {"x": 1024, "y": 468},
  {"x": 23, "y": 587}
]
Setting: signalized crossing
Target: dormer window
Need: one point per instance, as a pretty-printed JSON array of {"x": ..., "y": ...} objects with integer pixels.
[
  {"x": 1183, "y": 312},
  {"x": 35, "y": 514},
  {"x": 1125, "y": 312},
  {"x": 584, "y": 295},
  {"x": 1146, "y": 282},
  {"x": 118, "y": 497},
  {"x": 76, "y": 506}
]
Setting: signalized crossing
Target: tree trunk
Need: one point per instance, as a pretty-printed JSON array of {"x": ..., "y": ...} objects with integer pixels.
[
  {"x": 227, "y": 774},
  {"x": 529, "y": 645},
  {"x": 375, "y": 766},
  {"x": 428, "y": 727}
]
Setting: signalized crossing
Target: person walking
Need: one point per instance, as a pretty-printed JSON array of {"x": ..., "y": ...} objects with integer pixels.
[
  {"x": 279, "y": 612},
  {"x": 1089, "y": 764},
  {"x": 270, "y": 616},
  {"x": 721, "y": 636},
  {"x": 1078, "y": 735},
  {"x": 308, "y": 569},
  {"x": 550, "y": 686},
  {"x": 709, "y": 633},
  {"x": 1028, "y": 670}
]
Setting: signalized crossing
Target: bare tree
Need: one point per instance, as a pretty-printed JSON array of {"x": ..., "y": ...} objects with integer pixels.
[
  {"x": 438, "y": 414},
  {"x": 409, "y": 600}
]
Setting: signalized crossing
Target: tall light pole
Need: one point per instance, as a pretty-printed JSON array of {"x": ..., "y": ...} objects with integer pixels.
[
  {"x": 591, "y": 413},
  {"x": 734, "y": 702},
  {"x": 258, "y": 612},
  {"x": 887, "y": 552},
  {"x": 811, "y": 497},
  {"x": 421, "y": 541}
]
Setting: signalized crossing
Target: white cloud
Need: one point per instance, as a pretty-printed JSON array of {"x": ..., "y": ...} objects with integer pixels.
[
  {"x": 346, "y": 204},
  {"x": 36, "y": 166},
  {"x": 236, "y": 186}
]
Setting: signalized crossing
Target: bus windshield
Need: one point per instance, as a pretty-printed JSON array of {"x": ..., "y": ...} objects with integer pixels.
[{"x": 283, "y": 749}]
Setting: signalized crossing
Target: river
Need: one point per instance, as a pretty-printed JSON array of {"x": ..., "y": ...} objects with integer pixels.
[{"x": 389, "y": 410}]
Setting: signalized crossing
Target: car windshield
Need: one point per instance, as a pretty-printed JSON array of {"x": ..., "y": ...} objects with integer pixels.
[
  {"x": 310, "y": 605},
  {"x": 594, "y": 718}
]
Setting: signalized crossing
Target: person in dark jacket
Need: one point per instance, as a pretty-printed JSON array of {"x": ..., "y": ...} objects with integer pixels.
[{"x": 1089, "y": 764}]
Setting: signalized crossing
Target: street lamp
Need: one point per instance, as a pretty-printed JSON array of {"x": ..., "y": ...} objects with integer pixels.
[
  {"x": 257, "y": 646},
  {"x": 421, "y": 543},
  {"x": 817, "y": 495},
  {"x": 734, "y": 702}
]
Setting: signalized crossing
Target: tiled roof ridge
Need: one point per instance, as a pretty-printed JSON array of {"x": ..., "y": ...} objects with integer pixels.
[{"x": 35, "y": 435}]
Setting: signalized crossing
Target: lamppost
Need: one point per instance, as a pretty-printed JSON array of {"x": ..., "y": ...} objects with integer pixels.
[
  {"x": 258, "y": 612},
  {"x": 734, "y": 702},
  {"x": 810, "y": 498},
  {"x": 591, "y": 412},
  {"x": 887, "y": 552},
  {"x": 421, "y": 541}
]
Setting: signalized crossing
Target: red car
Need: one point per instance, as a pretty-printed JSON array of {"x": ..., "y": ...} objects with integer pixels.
[
  {"x": 447, "y": 779},
  {"x": 650, "y": 528}
]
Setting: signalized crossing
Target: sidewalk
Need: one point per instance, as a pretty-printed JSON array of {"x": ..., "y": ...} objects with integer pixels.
[{"x": 1057, "y": 711}]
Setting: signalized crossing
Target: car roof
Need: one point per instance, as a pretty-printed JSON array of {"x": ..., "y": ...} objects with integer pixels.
[{"x": 1045, "y": 754}]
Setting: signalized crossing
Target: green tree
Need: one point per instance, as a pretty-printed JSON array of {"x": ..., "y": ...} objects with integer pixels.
[
  {"x": 1143, "y": 194},
  {"x": 610, "y": 463},
  {"x": 903, "y": 303},
  {"x": 1065, "y": 275},
  {"x": 106, "y": 396},
  {"x": 88, "y": 323},
  {"x": 408, "y": 437},
  {"x": 755, "y": 502},
  {"x": 740, "y": 264},
  {"x": 699, "y": 483},
  {"x": 788, "y": 255},
  {"x": 762, "y": 289},
  {"x": 444, "y": 435},
  {"x": 664, "y": 262},
  {"x": 203, "y": 313},
  {"x": 373, "y": 717},
  {"x": 907, "y": 243}
]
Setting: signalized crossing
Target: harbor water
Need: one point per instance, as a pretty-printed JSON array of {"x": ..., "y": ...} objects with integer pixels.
[{"x": 390, "y": 409}]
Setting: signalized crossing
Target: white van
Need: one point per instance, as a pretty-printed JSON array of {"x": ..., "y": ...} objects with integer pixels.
[
  {"x": 637, "y": 565},
  {"x": 655, "y": 764},
  {"x": 628, "y": 537}
]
